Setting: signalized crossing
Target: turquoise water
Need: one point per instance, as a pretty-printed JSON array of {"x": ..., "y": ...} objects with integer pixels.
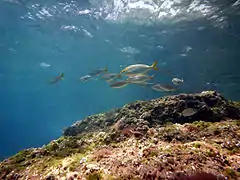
[{"x": 195, "y": 40}]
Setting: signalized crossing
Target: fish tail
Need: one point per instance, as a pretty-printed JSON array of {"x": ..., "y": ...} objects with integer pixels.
[
  {"x": 109, "y": 80},
  {"x": 62, "y": 76},
  {"x": 154, "y": 65},
  {"x": 122, "y": 71}
]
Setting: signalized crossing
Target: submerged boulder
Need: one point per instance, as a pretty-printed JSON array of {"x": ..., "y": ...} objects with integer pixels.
[{"x": 208, "y": 106}]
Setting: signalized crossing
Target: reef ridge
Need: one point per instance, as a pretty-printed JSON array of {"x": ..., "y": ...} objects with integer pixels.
[{"x": 147, "y": 140}]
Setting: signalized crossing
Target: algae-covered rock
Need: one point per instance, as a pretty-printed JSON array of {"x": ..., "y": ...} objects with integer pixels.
[
  {"x": 142, "y": 140},
  {"x": 208, "y": 106}
]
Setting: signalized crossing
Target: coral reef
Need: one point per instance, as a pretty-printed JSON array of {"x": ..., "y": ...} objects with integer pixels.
[{"x": 147, "y": 140}]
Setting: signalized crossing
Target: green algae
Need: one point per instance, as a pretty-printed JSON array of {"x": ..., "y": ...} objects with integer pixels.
[
  {"x": 64, "y": 146},
  {"x": 210, "y": 153},
  {"x": 230, "y": 173},
  {"x": 215, "y": 109},
  {"x": 82, "y": 126},
  {"x": 153, "y": 153},
  {"x": 197, "y": 145},
  {"x": 237, "y": 123},
  {"x": 53, "y": 146},
  {"x": 21, "y": 156},
  {"x": 234, "y": 103},
  {"x": 201, "y": 124},
  {"x": 19, "y": 161},
  {"x": 233, "y": 150},
  {"x": 99, "y": 175},
  {"x": 75, "y": 163},
  {"x": 94, "y": 176},
  {"x": 110, "y": 138}
]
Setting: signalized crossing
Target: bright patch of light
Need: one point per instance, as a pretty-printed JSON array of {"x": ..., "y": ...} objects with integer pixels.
[{"x": 143, "y": 12}]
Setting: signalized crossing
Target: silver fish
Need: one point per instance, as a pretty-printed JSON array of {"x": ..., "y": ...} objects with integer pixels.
[
  {"x": 188, "y": 112},
  {"x": 97, "y": 72},
  {"x": 119, "y": 84},
  {"x": 44, "y": 65},
  {"x": 140, "y": 78},
  {"x": 177, "y": 81},
  {"x": 85, "y": 78},
  {"x": 137, "y": 68},
  {"x": 57, "y": 79},
  {"x": 163, "y": 87}
]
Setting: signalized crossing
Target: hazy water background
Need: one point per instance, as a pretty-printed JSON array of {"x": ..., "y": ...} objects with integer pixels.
[{"x": 198, "y": 41}]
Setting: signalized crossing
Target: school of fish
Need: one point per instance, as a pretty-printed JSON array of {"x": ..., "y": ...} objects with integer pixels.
[{"x": 136, "y": 74}]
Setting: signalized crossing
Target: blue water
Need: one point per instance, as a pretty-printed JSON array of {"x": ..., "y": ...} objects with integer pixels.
[{"x": 76, "y": 37}]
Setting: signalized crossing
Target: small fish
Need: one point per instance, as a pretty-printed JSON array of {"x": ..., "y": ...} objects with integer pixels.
[
  {"x": 57, "y": 79},
  {"x": 140, "y": 78},
  {"x": 119, "y": 84},
  {"x": 188, "y": 48},
  {"x": 110, "y": 76},
  {"x": 183, "y": 55},
  {"x": 85, "y": 78},
  {"x": 97, "y": 72},
  {"x": 163, "y": 87},
  {"x": 177, "y": 81},
  {"x": 44, "y": 65},
  {"x": 11, "y": 49},
  {"x": 188, "y": 112},
  {"x": 138, "y": 68}
]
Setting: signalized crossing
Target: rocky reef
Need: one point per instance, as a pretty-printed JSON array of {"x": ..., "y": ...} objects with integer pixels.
[{"x": 147, "y": 140}]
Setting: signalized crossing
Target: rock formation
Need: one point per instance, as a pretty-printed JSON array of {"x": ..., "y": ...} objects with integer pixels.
[{"x": 147, "y": 140}]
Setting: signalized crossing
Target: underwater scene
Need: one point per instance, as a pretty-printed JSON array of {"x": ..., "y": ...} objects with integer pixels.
[{"x": 119, "y": 89}]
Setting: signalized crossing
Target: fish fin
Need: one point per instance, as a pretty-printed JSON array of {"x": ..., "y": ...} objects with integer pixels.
[
  {"x": 154, "y": 65},
  {"x": 106, "y": 69},
  {"x": 62, "y": 75},
  {"x": 122, "y": 71}
]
